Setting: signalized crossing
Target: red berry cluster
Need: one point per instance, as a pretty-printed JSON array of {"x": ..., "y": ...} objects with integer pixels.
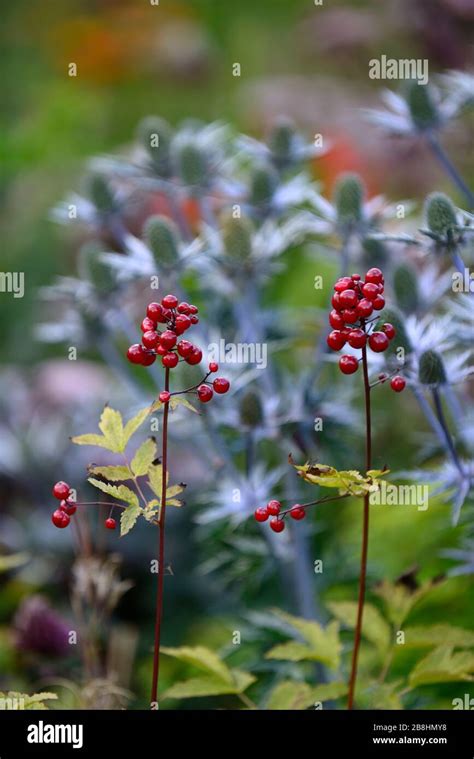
[
  {"x": 273, "y": 509},
  {"x": 175, "y": 318},
  {"x": 354, "y": 301},
  {"x": 62, "y": 516}
]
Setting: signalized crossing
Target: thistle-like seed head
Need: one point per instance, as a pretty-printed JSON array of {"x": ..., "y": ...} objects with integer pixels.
[
  {"x": 423, "y": 110},
  {"x": 250, "y": 408},
  {"x": 440, "y": 214},
  {"x": 431, "y": 369},
  {"x": 348, "y": 198},
  {"x": 162, "y": 237},
  {"x": 237, "y": 236},
  {"x": 405, "y": 284}
]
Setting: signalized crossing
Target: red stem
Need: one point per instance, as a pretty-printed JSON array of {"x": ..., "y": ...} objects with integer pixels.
[
  {"x": 365, "y": 537},
  {"x": 161, "y": 551}
]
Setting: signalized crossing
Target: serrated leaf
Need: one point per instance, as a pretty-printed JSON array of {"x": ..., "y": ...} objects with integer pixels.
[
  {"x": 120, "y": 492},
  {"x": 92, "y": 439},
  {"x": 292, "y": 651},
  {"x": 438, "y": 635},
  {"x": 179, "y": 401},
  {"x": 294, "y": 695},
  {"x": 329, "y": 691},
  {"x": 155, "y": 479},
  {"x": 381, "y": 695},
  {"x": 111, "y": 426},
  {"x": 143, "y": 458},
  {"x": 242, "y": 680},
  {"x": 199, "y": 686},
  {"x": 202, "y": 658},
  {"x": 400, "y": 599},
  {"x": 347, "y": 482},
  {"x": 173, "y": 490},
  {"x": 374, "y": 626},
  {"x": 112, "y": 473},
  {"x": 323, "y": 642},
  {"x": 128, "y": 518},
  {"x": 21, "y": 701},
  {"x": 151, "y": 511},
  {"x": 134, "y": 423},
  {"x": 442, "y": 665}
]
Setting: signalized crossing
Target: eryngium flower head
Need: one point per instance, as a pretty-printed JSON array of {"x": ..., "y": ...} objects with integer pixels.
[
  {"x": 162, "y": 236},
  {"x": 440, "y": 214},
  {"x": 39, "y": 629},
  {"x": 349, "y": 199},
  {"x": 431, "y": 369},
  {"x": 423, "y": 110}
]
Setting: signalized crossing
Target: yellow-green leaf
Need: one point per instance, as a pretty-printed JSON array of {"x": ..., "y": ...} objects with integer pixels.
[
  {"x": 374, "y": 626},
  {"x": 112, "y": 473},
  {"x": 348, "y": 482},
  {"x": 155, "y": 479},
  {"x": 442, "y": 665},
  {"x": 180, "y": 401},
  {"x": 120, "y": 492},
  {"x": 92, "y": 439},
  {"x": 128, "y": 518},
  {"x": 202, "y": 658},
  {"x": 290, "y": 694},
  {"x": 134, "y": 423},
  {"x": 17, "y": 701},
  {"x": 143, "y": 458},
  {"x": 438, "y": 635},
  {"x": 323, "y": 642},
  {"x": 12, "y": 561},
  {"x": 111, "y": 426}
]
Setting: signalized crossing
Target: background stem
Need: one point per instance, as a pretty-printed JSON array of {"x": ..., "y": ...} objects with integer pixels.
[
  {"x": 365, "y": 536},
  {"x": 161, "y": 549}
]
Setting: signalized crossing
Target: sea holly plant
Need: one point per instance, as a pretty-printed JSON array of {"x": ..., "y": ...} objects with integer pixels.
[
  {"x": 147, "y": 492},
  {"x": 355, "y": 322}
]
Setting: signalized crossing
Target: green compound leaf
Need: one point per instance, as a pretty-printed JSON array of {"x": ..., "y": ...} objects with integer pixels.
[
  {"x": 112, "y": 473},
  {"x": 114, "y": 436},
  {"x": 218, "y": 679},
  {"x": 438, "y": 635},
  {"x": 120, "y": 492},
  {"x": 442, "y": 665},
  {"x": 320, "y": 643},
  {"x": 143, "y": 458},
  {"x": 16, "y": 701},
  {"x": 202, "y": 658},
  {"x": 128, "y": 518},
  {"x": 134, "y": 423},
  {"x": 155, "y": 481},
  {"x": 374, "y": 627}
]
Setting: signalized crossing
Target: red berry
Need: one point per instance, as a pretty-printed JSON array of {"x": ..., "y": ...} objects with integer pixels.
[
  {"x": 378, "y": 303},
  {"x": 193, "y": 309},
  {"x": 168, "y": 339},
  {"x": 61, "y": 490},
  {"x": 68, "y": 507},
  {"x": 60, "y": 519},
  {"x": 154, "y": 311},
  {"x": 170, "y": 360},
  {"x": 169, "y": 301},
  {"x": 335, "y": 319},
  {"x": 350, "y": 315},
  {"x": 398, "y": 384},
  {"x": 182, "y": 323},
  {"x": 297, "y": 512},
  {"x": 150, "y": 339},
  {"x": 161, "y": 350},
  {"x": 370, "y": 291},
  {"x": 273, "y": 508},
  {"x": 205, "y": 393},
  {"x": 148, "y": 359},
  {"x": 221, "y": 385},
  {"x": 135, "y": 353},
  {"x": 147, "y": 325},
  {"x": 348, "y": 364},
  {"x": 348, "y": 298},
  {"x": 336, "y": 340},
  {"x": 381, "y": 289},
  {"x": 357, "y": 338},
  {"x": 336, "y": 302},
  {"x": 374, "y": 275},
  {"x": 277, "y": 525},
  {"x": 261, "y": 514},
  {"x": 194, "y": 319},
  {"x": 378, "y": 341},
  {"x": 110, "y": 523},
  {"x": 382, "y": 377},
  {"x": 364, "y": 308},
  {"x": 185, "y": 348},
  {"x": 195, "y": 357},
  {"x": 343, "y": 283},
  {"x": 183, "y": 308},
  {"x": 213, "y": 367},
  {"x": 164, "y": 396},
  {"x": 389, "y": 330},
  {"x": 355, "y": 277},
  {"x": 346, "y": 331}
]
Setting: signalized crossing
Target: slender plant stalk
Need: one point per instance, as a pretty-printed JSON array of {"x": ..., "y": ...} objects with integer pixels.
[
  {"x": 161, "y": 549},
  {"x": 365, "y": 536},
  {"x": 449, "y": 168}
]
